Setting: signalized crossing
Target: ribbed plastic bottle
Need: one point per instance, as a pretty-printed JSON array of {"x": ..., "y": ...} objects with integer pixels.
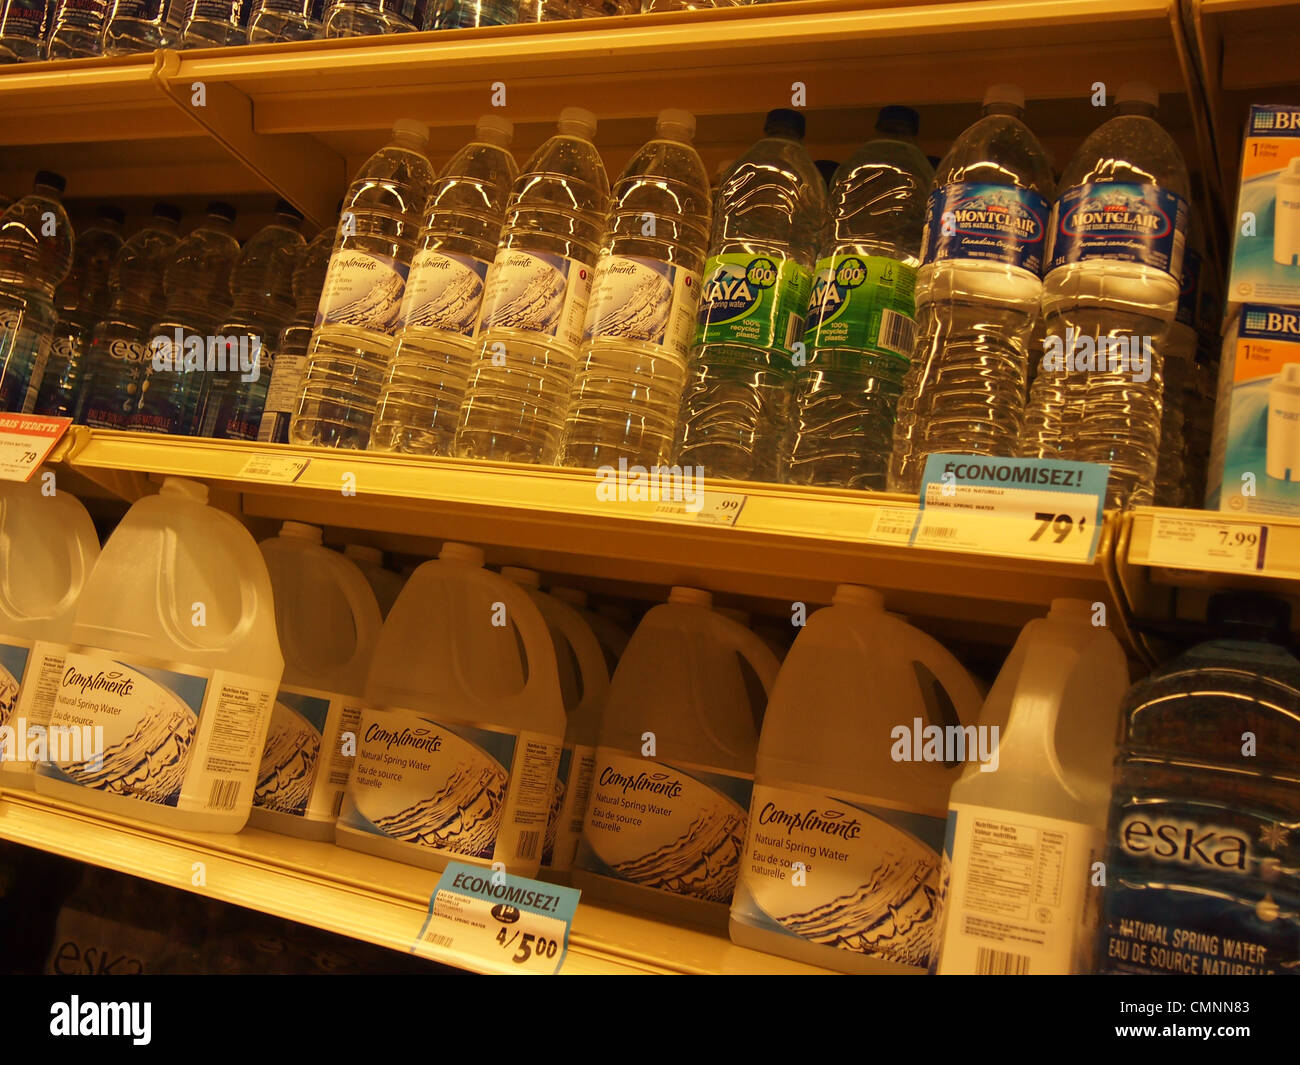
[
  {"x": 466, "y": 14},
  {"x": 48, "y": 546},
  {"x": 359, "y": 305},
  {"x": 1174, "y": 485},
  {"x": 327, "y": 621},
  {"x": 535, "y": 300},
  {"x": 862, "y": 314},
  {"x": 142, "y": 25},
  {"x": 547, "y": 10},
  {"x": 230, "y": 405},
  {"x": 365, "y": 18},
  {"x": 80, "y": 302},
  {"x": 76, "y": 29},
  {"x": 1110, "y": 294},
  {"x": 286, "y": 20},
  {"x": 36, "y": 247},
  {"x": 768, "y": 220},
  {"x": 213, "y": 23},
  {"x": 175, "y": 662},
  {"x": 386, "y": 584},
  {"x": 645, "y": 296},
  {"x": 23, "y": 26},
  {"x": 182, "y": 345},
  {"x": 115, "y": 360},
  {"x": 428, "y": 369},
  {"x": 977, "y": 294}
]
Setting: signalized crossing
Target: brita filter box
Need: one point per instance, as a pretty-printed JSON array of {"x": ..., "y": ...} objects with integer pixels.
[{"x": 1266, "y": 245}]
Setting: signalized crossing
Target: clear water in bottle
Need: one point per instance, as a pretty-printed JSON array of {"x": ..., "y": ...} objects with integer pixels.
[
  {"x": 286, "y": 20},
  {"x": 547, "y": 10},
  {"x": 76, "y": 29},
  {"x": 23, "y": 25},
  {"x": 535, "y": 300},
  {"x": 36, "y": 244},
  {"x": 768, "y": 220},
  {"x": 110, "y": 386},
  {"x": 645, "y": 295},
  {"x": 213, "y": 23},
  {"x": 1173, "y": 486},
  {"x": 466, "y": 14},
  {"x": 365, "y": 18},
  {"x": 429, "y": 367},
  {"x": 977, "y": 294},
  {"x": 142, "y": 25},
  {"x": 80, "y": 302},
  {"x": 861, "y": 317},
  {"x": 182, "y": 345},
  {"x": 358, "y": 310},
  {"x": 230, "y": 403}
]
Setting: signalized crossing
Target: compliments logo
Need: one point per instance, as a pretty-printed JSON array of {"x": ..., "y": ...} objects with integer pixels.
[{"x": 77, "y": 1018}]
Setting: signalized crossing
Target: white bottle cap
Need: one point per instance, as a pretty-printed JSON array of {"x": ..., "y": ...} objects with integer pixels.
[
  {"x": 494, "y": 129},
  {"x": 674, "y": 124},
  {"x": 300, "y": 530},
  {"x": 858, "y": 595},
  {"x": 1138, "y": 92},
  {"x": 411, "y": 127},
  {"x": 578, "y": 122},
  {"x": 454, "y": 552},
  {"x": 185, "y": 488},
  {"x": 362, "y": 553},
  {"x": 691, "y": 597},
  {"x": 1005, "y": 93},
  {"x": 572, "y": 596},
  {"x": 528, "y": 578}
]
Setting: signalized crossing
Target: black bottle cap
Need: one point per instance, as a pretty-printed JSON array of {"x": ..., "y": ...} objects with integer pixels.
[
  {"x": 51, "y": 179},
  {"x": 284, "y": 207},
  {"x": 169, "y": 211},
  {"x": 221, "y": 209},
  {"x": 934, "y": 161},
  {"x": 1239, "y": 616},
  {"x": 898, "y": 120},
  {"x": 784, "y": 123},
  {"x": 828, "y": 168},
  {"x": 111, "y": 213}
]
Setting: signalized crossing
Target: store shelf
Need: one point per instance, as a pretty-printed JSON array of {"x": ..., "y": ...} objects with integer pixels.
[{"x": 344, "y": 891}]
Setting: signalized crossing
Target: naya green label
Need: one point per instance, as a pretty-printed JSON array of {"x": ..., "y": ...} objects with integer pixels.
[
  {"x": 755, "y": 300},
  {"x": 864, "y": 302}
]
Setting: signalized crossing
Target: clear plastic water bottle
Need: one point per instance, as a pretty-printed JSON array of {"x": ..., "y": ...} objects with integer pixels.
[
  {"x": 547, "y": 10},
  {"x": 213, "y": 23},
  {"x": 767, "y": 229},
  {"x": 76, "y": 29},
  {"x": 142, "y": 25},
  {"x": 977, "y": 293},
  {"x": 1109, "y": 297},
  {"x": 36, "y": 244},
  {"x": 645, "y": 296},
  {"x": 429, "y": 368},
  {"x": 535, "y": 300},
  {"x": 365, "y": 18},
  {"x": 110, "y": 386},
  {"x": 1173, "y": 485},
  {"x": 286, "y": 20},
  {"x": 358, "y": 310},
  {"x": 230, "y": 406},
  {"x": 80, "y": 302},
  {"x": 466, "y": 14},
  {"x": 291, "y": 352},
  {"x": 861, "y": 317},
  {"x": 23, "y": 25},
  {"x": 183, "y": 348}
]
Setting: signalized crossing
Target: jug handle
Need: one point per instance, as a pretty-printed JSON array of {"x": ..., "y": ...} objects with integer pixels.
[
  {"x": 951, "y": 674},
  {"x": 366, "y": 616},
  {"x": 1047, "y": 667},
  {"x": 542, "y": 669}
]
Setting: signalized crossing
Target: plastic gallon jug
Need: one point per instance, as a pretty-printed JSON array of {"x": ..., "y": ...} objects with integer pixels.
[
  {"x": 328, "y": 622},
  {"x": 1018, "y": 858},
  {"x": 48, "y": 546},
  {"x": 386, "y": 584},
  {"x": 612, "y": 636},
  {"x": 584, "y": 681},
  {"x": 175, "y": 657},
  {"x": 674, "y": 766},
  {"x": 457, "y": 755},
  {"x": 846, "y": 827}
]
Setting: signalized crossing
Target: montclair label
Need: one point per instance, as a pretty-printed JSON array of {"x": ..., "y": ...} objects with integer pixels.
[
  {"x": 114, "y": 683},
  {"x": 655, "y": 783},
  {"x": 416, "y": 739},
  {"x": 828, "y": 822}
]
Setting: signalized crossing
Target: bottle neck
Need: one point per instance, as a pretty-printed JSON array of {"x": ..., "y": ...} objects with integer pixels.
[{"x": 1136, "y": 107}]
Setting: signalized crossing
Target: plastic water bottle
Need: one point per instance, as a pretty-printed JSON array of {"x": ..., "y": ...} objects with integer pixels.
[
  {"x": 1175, "y": 483},
  {"x": 547, "y": 10},
  {"x": 862, "y": 317},
  {"x": 23, "y": 25},
  {"x": 80, "y": 302},
  {"x": 535, "y": 300},
  {"x": 142, "y": 25},
  {"x": 977, "y": 294},
  {"x": 285, "y": 20},
  {"x": 115, "y": 359},
  {"x": 183, "y": 346},
  {"x": 767, "y": 228},
  {"x": 36, "y": 245},
  {"x": 1055, "y": 705},
  {"x": 429, "y": 368},
  {"x": 213, "y": 23},
  {"x": 327, "y": 620},
  {"x": 386, "y": 584},
  {"x": 466, "y": 14},
  {"x": 645, "y": 296},
  {"x": 49, "y": 546},
  {"x": 175, "y": 659},
  {"x": 846, "y": 784},
  {"x": 291, "y": 353},
  {"x": 365, "y": 18},
  {"x": 359, "y": 306},
  {"x": 76, "y": 29},
  {"x": 262, "y": 285},
  {"x": 1109, "y": 298}
]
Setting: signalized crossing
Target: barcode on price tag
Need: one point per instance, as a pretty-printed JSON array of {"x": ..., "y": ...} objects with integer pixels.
[
  {"x": 1193, "y": 543},
  {"x": 490, "y": 921},
  {"x": 708, "y": 508},
  {"x": 274, "y": 468},
  {"x": 26, "y": 441}
]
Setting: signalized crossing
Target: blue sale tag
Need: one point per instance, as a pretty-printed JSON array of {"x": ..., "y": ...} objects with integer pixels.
[
  {"x": 489, "y": 921},
  {"x": 1027, "y": 508}
]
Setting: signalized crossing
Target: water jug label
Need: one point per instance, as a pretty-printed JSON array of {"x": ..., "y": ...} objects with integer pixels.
[
  {"x": 304, "y": 770},
  {"x": 473, "y": 790},
  {"x": 1017, "y": 893},
  {"x": 863, "y": 302},
  {"x": 180, "y": 737},
  {"x": 634, "y": 298},
  {"x": 443, "y": 292},
  {"x": 1118, "y": 220},
  {"x": 282, "y": 395},
  {"x": 1189, "y": 289},
  {"x": 671, "y": 827},
  {"x": 537, "y": 293},
  {"x": 363, "y": 291},
  {"x": 569, "y": 807},
  {"x": 996, "y": 223},
  {"x": 29, "y": 682},
  {"x": 839, "y": 872},
  {"x": 753, "y": 300},
  {"x": 22, "y": 21}
]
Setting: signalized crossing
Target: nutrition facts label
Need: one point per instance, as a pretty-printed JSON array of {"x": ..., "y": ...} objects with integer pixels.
[{"x": 1013, "y": 867}]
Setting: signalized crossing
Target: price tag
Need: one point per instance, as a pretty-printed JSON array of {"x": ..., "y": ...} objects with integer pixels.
[
  {"x": 893, "y": 525},
  {"x": 25, "y": 442},
  {"x": 1025, "y": 508},
  {"x": 274, "y": 468},
  {"x": 1194, "y": 543},
  {"x": 488, "y": 920},
  {"x": 709, "y": 508}
]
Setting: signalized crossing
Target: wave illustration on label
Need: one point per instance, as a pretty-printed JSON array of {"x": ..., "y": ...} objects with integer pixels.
[
  {"x": 288, "y": 769},
  {"x": 362, "y": 290},
  {"x": 526, "y": 291},
  {"x": 13, "y": 664},
  {"x": 443, "y": 292},
  {"x": 630, "y": 298}
]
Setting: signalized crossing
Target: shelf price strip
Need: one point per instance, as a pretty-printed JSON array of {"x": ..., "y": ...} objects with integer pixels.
[
  {"x": 1023, "y": 508},
  {"x": 26, "y": 441},
  {"x": 485, "y": 918},
  {"x": 1196, "y": 543}
]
